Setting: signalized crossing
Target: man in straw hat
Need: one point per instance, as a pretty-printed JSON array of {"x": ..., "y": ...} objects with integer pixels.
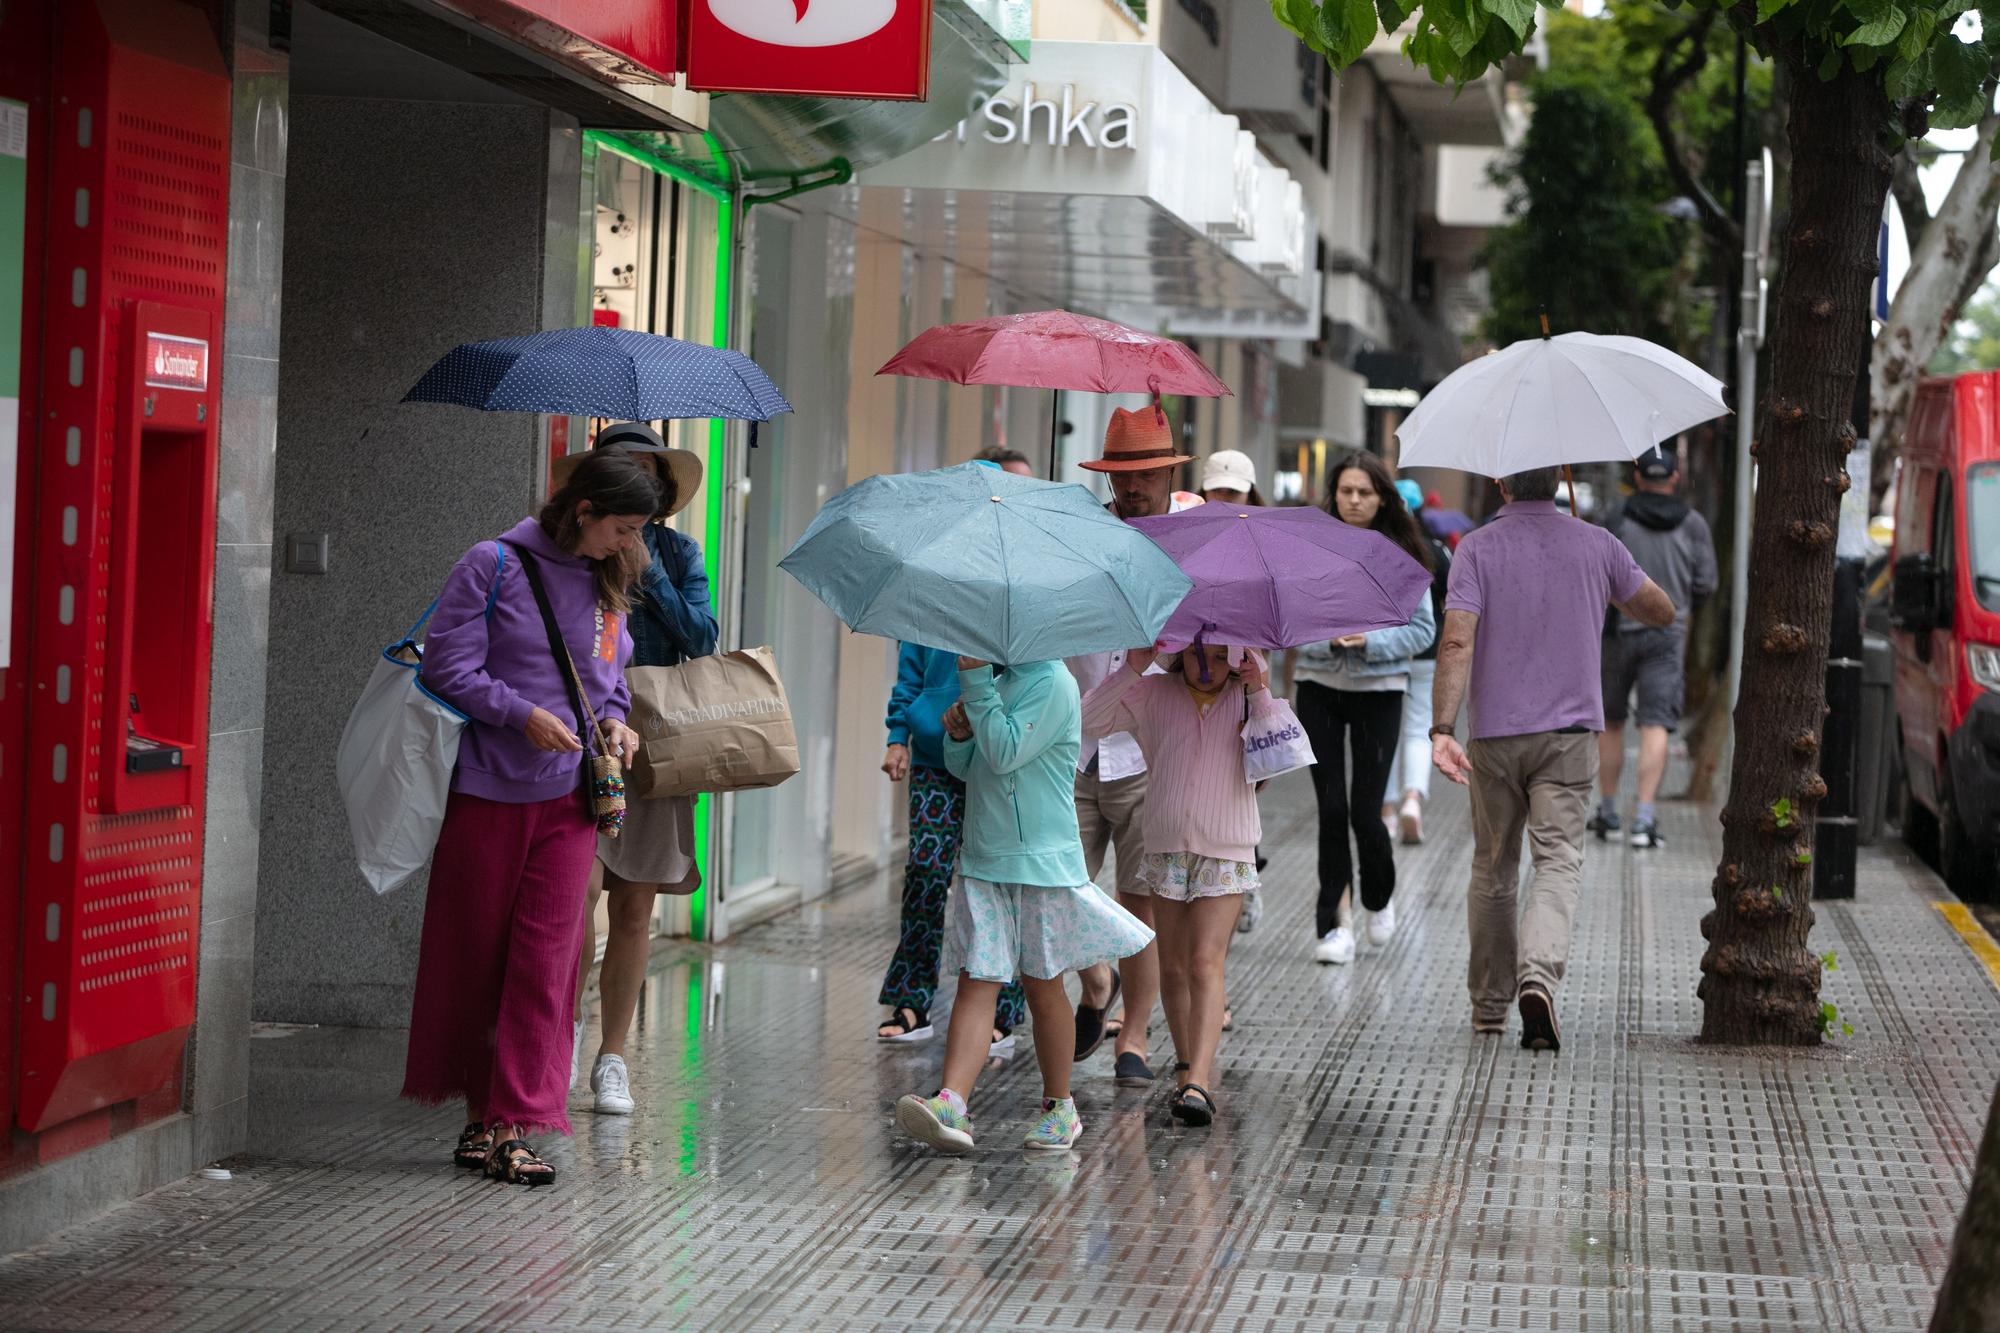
[
  {"x": 671, "y": 622},
  {"x": 1139, "y": 459}
]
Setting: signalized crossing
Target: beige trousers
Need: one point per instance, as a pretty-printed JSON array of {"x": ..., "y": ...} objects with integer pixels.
[
  {"x": 1111, "y": 815},
  {"x": 1543, "y": 783}
]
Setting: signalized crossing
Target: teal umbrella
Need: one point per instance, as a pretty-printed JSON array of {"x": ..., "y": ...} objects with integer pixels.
[{"x": 986, "y": 564}]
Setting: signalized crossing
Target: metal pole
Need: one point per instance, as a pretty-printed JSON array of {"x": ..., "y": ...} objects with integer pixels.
[
  {"x": 1055, "y": 432},
  {"x": 1749, "y": 337}
]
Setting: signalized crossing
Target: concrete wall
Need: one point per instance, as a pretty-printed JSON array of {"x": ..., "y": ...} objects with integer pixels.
[{"x": 411, "y": 226}]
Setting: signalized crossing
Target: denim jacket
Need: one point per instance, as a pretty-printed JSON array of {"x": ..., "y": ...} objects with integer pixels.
[
  {"x": 1386, "y": 652},
  {"x": 671, "y": 618}
]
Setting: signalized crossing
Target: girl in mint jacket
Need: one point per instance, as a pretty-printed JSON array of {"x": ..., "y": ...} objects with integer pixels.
[
  {"x": 1024, "y": 906},
  {"x": 927, "y": 685}
]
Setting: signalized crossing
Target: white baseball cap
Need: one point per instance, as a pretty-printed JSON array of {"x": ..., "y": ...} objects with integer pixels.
[{"x": 1227, "y": 470}]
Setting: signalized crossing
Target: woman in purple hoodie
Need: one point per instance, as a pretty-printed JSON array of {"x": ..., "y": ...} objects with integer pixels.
[{"x": 503, "y": 921}]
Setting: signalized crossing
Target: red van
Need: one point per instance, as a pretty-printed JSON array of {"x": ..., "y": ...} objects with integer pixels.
[{"x": 1945, "y": 613}]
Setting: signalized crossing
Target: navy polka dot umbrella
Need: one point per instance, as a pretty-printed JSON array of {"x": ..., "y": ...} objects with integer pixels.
[{"x": 620, "y": 374}]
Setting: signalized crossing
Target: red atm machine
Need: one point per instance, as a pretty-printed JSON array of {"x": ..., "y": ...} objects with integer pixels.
[{"x": 117, "y": 112}]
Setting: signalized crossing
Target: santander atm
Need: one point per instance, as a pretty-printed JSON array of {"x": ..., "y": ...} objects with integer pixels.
[{"x": 114, "y": 204}]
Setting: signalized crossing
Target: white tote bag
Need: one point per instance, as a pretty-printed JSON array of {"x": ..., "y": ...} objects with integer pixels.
[
  {"x": 396, "y": 759},
  {"x": 1274, "y": 744}
]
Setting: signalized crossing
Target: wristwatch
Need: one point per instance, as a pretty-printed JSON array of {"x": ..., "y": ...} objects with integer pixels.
[{"x": 1443, "y": 729}]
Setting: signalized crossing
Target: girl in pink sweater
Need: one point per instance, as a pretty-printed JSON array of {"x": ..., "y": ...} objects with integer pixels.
[{"x": 1201, "y": 828}]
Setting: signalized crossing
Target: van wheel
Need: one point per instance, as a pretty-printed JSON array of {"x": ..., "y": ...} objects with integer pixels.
[{"x": 1968, "y": 868}]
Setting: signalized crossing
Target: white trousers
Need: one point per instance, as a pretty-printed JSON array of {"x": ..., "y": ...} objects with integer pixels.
[{"x": 1412, "y": 768}]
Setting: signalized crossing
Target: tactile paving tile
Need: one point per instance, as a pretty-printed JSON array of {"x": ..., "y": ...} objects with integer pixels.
[{"x": 1375, "y": 1165}]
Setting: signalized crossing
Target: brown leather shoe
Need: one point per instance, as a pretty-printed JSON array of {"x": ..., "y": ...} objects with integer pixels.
[{"x": 1538, "y": 1020}]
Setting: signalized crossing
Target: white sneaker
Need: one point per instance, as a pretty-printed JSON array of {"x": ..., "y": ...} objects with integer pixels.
[
  {"x": 1336, "y": 946},
  {"x": 1382, "y": 926},
  {"x": 1411, "y": 817},
  {"x": 613, "y": 1086},
  {"x": 575, "y": 1051}
]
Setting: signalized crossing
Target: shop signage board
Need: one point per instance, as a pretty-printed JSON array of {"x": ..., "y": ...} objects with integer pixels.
[
  {"x": 1119, "y": 119},
  {"x": 13, "y": 254},
  {"x": 816, "y": 48}
]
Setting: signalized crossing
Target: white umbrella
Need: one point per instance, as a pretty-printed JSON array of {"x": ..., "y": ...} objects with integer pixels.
[{"x": 1550, "y": 402}]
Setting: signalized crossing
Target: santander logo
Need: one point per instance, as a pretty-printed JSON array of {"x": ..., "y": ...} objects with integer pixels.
[{"x": 804, "y": 23}]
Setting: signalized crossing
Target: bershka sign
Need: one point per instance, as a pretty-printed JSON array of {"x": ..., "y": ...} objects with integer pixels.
[
  {"x": 816, "y": 48},
  {"x": 176, "y": 363},
  {"x": 1058, "y": 124}
]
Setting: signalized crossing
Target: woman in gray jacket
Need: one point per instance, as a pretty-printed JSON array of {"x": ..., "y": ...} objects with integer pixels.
[{"x": 1350, "y": 700}]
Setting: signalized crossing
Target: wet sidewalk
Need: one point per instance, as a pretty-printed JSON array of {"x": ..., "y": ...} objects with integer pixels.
[{"x": 1376, "y": 1165}]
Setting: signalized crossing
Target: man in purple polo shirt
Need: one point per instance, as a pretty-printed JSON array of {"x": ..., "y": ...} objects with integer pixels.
[{"x": 1523, "y": 619}]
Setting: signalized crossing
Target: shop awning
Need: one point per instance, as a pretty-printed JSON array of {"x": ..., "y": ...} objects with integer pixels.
[{"x": 1101, "y": 179}]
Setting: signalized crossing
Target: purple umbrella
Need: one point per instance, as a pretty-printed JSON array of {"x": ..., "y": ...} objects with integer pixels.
[
  {"x": 1444, "y": 523},
  {"x": 1280, "y": 578}
]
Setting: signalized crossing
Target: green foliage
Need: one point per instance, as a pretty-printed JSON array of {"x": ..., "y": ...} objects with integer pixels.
[
  {"x": 1913, "y": 46},
  {"x": 1830, "y": 960},
  {"x": 1586, "y": 244},
  {"x": 1781, "y": 812},
  {"x": 1829, "y": 1019},
  {"x": 1974, "y": 341}
]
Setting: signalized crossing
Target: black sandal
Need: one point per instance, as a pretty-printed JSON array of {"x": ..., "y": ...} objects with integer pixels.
[
  {"x": 1188, "y": 1112},
  {"x": 916, "y": 1027},
  {"x": 1091, "y": 1029},
  {"x": 470, "y": 1152},
  {"x": 517, "y": 1163}
]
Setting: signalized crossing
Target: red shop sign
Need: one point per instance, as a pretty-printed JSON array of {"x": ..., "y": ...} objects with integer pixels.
[
  {"x": 176, "y": 363},
  {"x": 815, "y": 48},
  {"x": 633, "y": 41}
]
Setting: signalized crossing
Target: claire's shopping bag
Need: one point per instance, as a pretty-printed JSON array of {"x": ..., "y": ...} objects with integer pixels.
[
  {"x": 1274, "y": 743},
  {"x": 396, "y": 758},
  {"x": 712, "y": 724}
]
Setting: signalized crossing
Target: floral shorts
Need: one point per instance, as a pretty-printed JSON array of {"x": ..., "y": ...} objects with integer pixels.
[{"x": 1184, "y": 876}]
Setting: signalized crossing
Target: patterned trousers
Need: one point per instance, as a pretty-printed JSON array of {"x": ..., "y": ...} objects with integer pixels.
[{"x": 937, "y": 820}]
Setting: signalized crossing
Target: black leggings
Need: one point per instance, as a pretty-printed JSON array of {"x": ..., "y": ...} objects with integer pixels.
[{"x": 1370, "y": 722}]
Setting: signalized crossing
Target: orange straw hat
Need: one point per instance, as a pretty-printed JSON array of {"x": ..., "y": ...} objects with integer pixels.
[{"x": 1138, "y": 442}]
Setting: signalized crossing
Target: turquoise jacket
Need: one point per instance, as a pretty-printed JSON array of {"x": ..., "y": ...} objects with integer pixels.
[{"x": 1019, "y": 771}]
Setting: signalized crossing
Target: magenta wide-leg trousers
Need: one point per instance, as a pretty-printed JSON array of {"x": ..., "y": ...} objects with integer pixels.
[{"x": 496, "y": 971}]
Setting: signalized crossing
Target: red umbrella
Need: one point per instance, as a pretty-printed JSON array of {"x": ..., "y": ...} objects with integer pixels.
[{"x": 1054, "y": 349}]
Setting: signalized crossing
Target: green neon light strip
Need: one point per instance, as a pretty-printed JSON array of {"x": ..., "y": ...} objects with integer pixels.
[{"x": 718, "y": 436}]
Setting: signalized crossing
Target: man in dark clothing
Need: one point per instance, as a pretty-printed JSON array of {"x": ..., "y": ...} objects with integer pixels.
[{"x": 1671, "y": 543}]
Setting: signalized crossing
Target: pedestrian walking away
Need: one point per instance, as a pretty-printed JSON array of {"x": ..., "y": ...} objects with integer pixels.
[
  {"x": 1024, "y": 907},
  {"x": 1523, "y": 622},
  {"x": 1671, "y": 542},
  {"x": 671, "y": 622},
  {"x": 1201, "y": 830},
  {"x": 504, "y": 916},
  {"x": 1139, "y": 458},
  {"x": 1410, "y": 774},
  {"x": 926, "y": 686},
  {"x": 1349, "y": 695}
]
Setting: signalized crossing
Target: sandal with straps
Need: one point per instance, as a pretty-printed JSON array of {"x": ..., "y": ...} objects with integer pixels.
[
  {"x": 1189, "y": 1112},
  {"x": 471, "y": 1152},
  {"x": 915, "y": 1027},
  {"x": 517, "y": 1163}
]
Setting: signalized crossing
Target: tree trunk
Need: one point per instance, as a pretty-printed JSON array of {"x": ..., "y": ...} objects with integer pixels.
[
  {"x": 1969, "y": 1299},
  {"x": 1760, "y": 982},
  {"x": 1947, "y": 261}
]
